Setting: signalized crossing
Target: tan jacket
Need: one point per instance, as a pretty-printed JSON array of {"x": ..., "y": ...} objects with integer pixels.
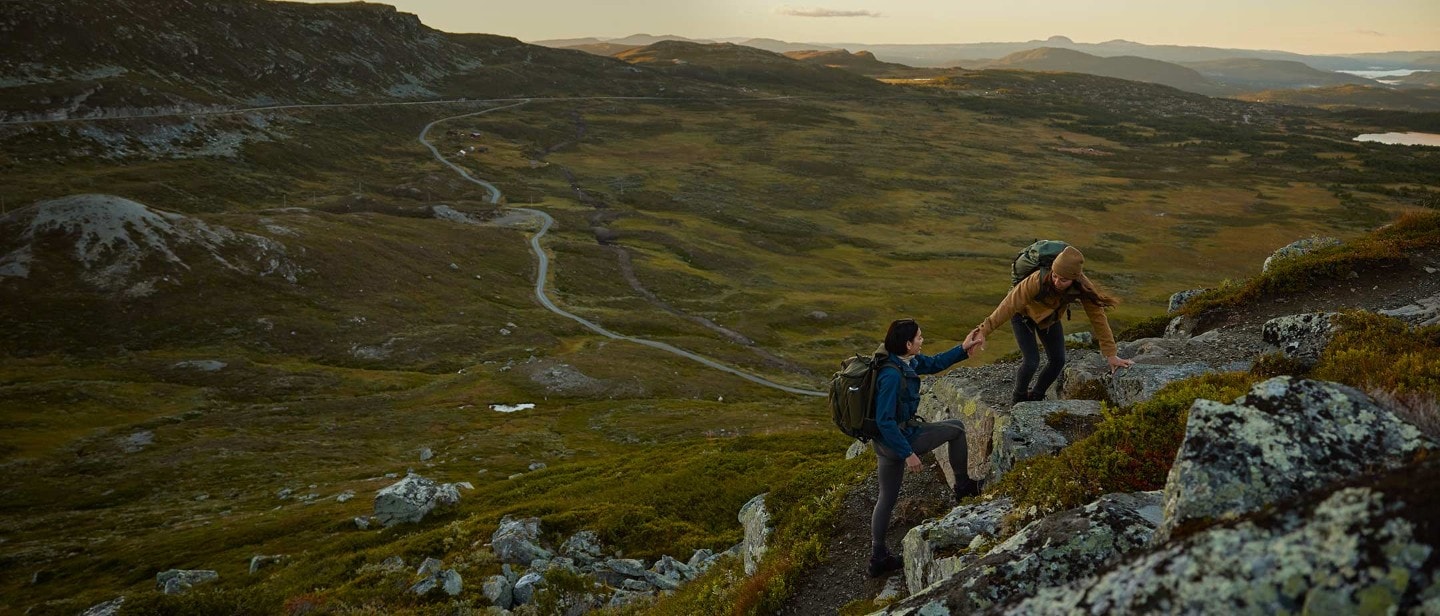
[{"x": 1045, "y": 312}]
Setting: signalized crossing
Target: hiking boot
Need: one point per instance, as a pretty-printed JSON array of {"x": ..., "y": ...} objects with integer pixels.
[
  {"x": 1035, "y": 396},
  {"x": 886, "y": 564},
  {"x": 969, "y": 488}
]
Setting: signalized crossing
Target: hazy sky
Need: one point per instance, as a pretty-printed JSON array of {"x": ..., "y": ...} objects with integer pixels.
[{"x": 1305, "y": 26}]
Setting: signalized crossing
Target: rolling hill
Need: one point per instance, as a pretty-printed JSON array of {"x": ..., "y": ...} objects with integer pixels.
[
  {"x": 743, "y": 66},
  {"x": 1352, "y": 97},
  {"x": 1124, "y": 67},
  {"x": 862, "y": 62},
  {"x": 1258, "y": 74}
]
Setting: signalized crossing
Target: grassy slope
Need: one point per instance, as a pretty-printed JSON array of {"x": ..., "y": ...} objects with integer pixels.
[{"x": 751, "y": 214}]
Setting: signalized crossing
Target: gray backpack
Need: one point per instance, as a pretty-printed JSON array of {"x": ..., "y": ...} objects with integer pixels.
[{"x": 1035, "y": 257}]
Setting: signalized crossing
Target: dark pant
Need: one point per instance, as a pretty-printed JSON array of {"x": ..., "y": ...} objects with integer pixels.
[
  {"x": 891, "y": 470},
  {"x": 1053, "y": 338}
]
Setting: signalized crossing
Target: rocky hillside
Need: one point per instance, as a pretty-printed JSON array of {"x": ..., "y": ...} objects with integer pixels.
[
  {"x": 1311, "y": 490},
  {"x": 83, "y": 59},
  {"x": 742, "y": 66}
]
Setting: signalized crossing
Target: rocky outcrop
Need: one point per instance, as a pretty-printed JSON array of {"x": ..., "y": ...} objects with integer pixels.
[
  {"x": 957, "y": 395},
  {"x": 1423, "y": 312},
  {"x": 582, "y": 547},
  {"x": 499, "y": 591},
  {"x": 1286, "y": 437},
  {"x": 756, "y": 520},
  {"x": 108, "y": 608},
  {"x": 937, "y": 549},
  {"x": 1058, "y": 549},
  {"x": 1297, "y": 248},
  {"x": 1179, "y": 299},
  {"x": 1301, "y": 336},
  {"x": 433, "y": 576},
  {"x": 1365, "y": 549},
  {"x": 517, "y": 541},
  {"x": 1030, "y": 429},
  {"x": 411, "y": 499},
  {"x": 178, "y": 581}
]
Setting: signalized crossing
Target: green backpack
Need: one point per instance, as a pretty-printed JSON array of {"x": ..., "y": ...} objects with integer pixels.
[
  {"x": 852, "y": 395},
  {"x": 1034, "y": 257}
]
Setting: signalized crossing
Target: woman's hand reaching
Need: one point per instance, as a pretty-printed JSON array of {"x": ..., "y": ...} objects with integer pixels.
[
  {"x": 1116, "y": 363},
  {"x": 973, "y": 341}
]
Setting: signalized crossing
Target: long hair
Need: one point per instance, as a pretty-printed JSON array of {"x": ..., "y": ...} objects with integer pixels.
[
  {"x": 1087, "y": 290},
  {"x": 900, "y": 332}
]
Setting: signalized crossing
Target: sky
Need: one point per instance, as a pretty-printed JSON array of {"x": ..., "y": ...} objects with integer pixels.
[{"x": 1302, "y": 26}]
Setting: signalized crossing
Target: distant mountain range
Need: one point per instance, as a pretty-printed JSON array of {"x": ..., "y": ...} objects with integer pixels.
[{"x": 951, "y": 54}]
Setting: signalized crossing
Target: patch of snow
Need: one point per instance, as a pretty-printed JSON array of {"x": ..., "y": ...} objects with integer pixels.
[{"x": 511, "y": 408}]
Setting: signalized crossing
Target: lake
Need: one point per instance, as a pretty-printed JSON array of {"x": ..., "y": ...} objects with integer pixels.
[
  {"x": 1429, "y": 139},
  {"x": 1377, "y": 74}
]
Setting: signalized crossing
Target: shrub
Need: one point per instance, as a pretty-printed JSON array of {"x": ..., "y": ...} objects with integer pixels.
[
  {"x": 1397, "y": 364},
  {"x": 1131, "y": 450}
]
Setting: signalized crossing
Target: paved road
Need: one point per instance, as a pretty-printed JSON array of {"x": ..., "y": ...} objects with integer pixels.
[{"x": 544, "y": 261}]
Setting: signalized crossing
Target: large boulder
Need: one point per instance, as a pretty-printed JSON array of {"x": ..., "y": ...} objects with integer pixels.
[
  {"x": 1301, "y": 336},
  {"x": 1055, "y": 550},
  {"x": 1139, "y": 382},
  {"x": 411, "y": 499},
  {"x": 1297, "y": 248},
  {"x": 1179, "y": 299},
  {"x": 935, "y": 549},
  {"x": 1031, "y": 429},
  {"x": 756, "y": 521},
  {"x": 517, "y": 541},
  {"x": 499, "y": 591},
  {"x": 1344, "y": 550},
  {"x": 1284, "y": 438},
  {"x": 178, "y": 581},
  {"x": 960, "y": 395},
  {"x": 525, "y": 587}
]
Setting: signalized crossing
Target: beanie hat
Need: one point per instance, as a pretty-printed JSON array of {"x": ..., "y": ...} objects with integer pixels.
[{"x": 1069, "y": 263}]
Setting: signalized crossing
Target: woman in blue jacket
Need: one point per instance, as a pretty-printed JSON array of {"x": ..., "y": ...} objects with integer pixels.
[{"x": 903, "y": 437}]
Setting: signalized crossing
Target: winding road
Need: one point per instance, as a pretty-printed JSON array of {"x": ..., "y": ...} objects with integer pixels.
[{"x": 493, "y": 196}]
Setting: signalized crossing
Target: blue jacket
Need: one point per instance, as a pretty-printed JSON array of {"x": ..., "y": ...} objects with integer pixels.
[{"x": 897, "y": 395}]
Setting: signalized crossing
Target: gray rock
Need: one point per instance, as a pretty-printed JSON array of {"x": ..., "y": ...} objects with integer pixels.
[
  {"x": 1297, "y": 248},
  {"x": 411, "y": 499},
  {"x": 137, "y": 442},
  {"x": 524, "y": 591},
  {"x": 362, "y": 522},
  {"x": 1284, "y": 438},
  {"x": 756, "y": 521},
  {"x": 108, "y": 608},
  {"x": 1182, "y": 326},
  {"x": 1024, "y": 431},
  {"x": 1140, "y": 381},
  {"x": 891, "y": 590},
  {"x": 583, "y": 547},
  {"x": 537, "y": 466},
  {"x": 450, "y": 582},
  {"x": 517, "y": 541},
  {"x": 636, "y": 585},
  {"x": 499, "y": 591},
  {"x": 949, "y": 536},
  {"x": 627, "y": 567},
  {"x": 509, "y": 574},
  {"x": 203, "y": 365},
  {"x": 623, "y": 598},
  {"x": 1084, "y": 338},
  {"x": 1055, "y": 550},
  {"x": 671, "y": 568},
  {"x": 663, "y": 582},
  {"x": 1301, "y": 336},
  {"x": 393, "y": 563},
  {"x": 426, "y": 454},
  {"x": 1341, "y": 550},
  {"x": 430, "y": 566},
  {"x": 856, "y": 449},
  {"x": 344, "y": 496},
  {"x": 955, "y": 396},
  {"x": 1178, "y": 300},
  {"x": 178, "y": 581},
  {"x": 259, "y": 562},
  {"x": 701, "y": 560},
  {"x": 1423, "y": 312}
]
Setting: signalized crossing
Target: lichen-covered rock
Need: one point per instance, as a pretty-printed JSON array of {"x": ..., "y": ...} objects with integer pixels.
[
  {"x": 1052, "y": 551},
  {"x": 1081, "y": 338},
  {"x": 1025, "y": 431},
  {"x": 701, "y": 560},
  {"x": 524, "y": 591},
  {"x": 499, "y": 591},
  {"x": 856, "y": 449},
  {"x": 1297, "y": 248},
  {"x": 1179, "y": 299},
  {"x": 583, "y": 547},
  {"x": 411, "y": 499},
  {"x": 671, "y": 568},
  {"x": 623, "y": 597},
  {"x": 261, "y": 561},
  {"x": 517, "y": 541},
  {"x": 108, "y": 608},
  {"x": 447, "y": 580},
  {"x": 936, "y": 549},
  {"x": 1300, "y": 336},
  {"x": 1423, "y": 312},
  {"x": 756, "y": 521},
  {"x": 1139, "y": 382},
  {"x": 955, "y": 396},
  {"x": 1354, "y": 550},
  {"x": 178, "y": 581},
  {"x": 1284, "y": 438}
]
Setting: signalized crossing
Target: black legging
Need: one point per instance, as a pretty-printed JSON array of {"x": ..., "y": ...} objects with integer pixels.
[
  {"x": 891, "y": 470},
  {"x": 1053, "y": 338}
]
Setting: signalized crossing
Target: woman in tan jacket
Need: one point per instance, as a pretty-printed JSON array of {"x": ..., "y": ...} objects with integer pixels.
[{"x": 1034, "y": 307}]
